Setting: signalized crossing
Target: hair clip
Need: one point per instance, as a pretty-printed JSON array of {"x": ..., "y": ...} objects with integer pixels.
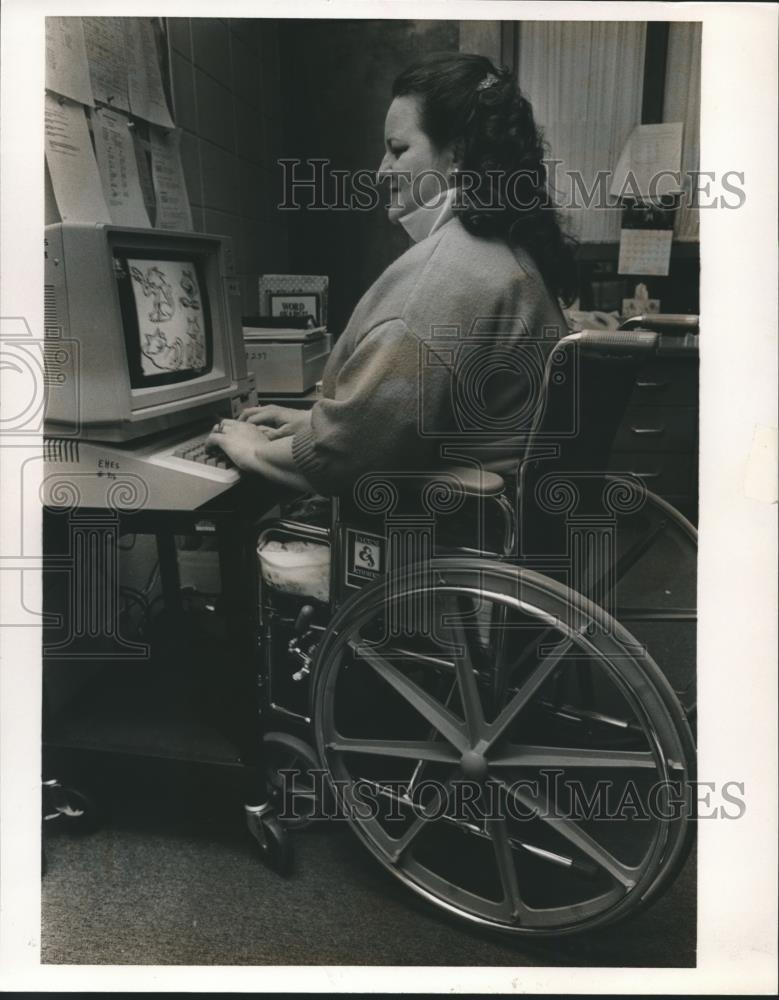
[{"x": 489, "y": 81}]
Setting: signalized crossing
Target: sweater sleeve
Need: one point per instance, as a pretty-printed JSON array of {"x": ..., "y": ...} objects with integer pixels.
[{"x": 372, "y": 423}]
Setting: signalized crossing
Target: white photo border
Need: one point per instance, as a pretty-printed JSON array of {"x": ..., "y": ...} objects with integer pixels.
[{"x": 737, "y": 917}]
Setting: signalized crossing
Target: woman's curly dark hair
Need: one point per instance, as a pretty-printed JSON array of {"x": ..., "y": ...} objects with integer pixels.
[{"x": 503, "y": 186}]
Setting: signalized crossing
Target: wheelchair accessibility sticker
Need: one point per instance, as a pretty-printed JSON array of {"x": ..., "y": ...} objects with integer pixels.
[{"x": 365, "y": 557}]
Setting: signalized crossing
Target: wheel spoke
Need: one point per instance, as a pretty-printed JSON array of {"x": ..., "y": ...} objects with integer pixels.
[
  {"x": 414, "y": 749},
  {"x": 504, "y": 859},
  {"x": 499, "y": 651},
  {"x": 447, "y": 724},
  {"x": 394, "y": 847},
  {"x": 400, "y": 844},
  {"x": 523, "y": 755},
  {"x": 574, "y": 713},
  {"x": 419, "y": 769},
  {"x": 464, "y": 668},
  {"x": 575, "y": 835},
  {"x": 526, "y": 691}
]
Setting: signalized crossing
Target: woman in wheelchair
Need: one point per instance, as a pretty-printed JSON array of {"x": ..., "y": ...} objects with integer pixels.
[
  {"x": 486, "y": 722},
  {"x": 463, "y": 166}
]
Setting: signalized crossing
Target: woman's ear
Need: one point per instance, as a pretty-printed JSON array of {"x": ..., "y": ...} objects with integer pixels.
[
  {"x": 458, "y": 154},
  {"x": 454, "y": 154}
]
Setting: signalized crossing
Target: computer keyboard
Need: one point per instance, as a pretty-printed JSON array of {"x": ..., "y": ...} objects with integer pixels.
[
  {"x": 194, "y": 457},
  {"x": 197, "y": 451}
]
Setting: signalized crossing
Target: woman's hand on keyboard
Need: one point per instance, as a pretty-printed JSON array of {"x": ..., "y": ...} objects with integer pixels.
[
  {"x": 276, "y": 421},
  {"x": 239, "y": 441},
  {"x": 251, "y": 451}
]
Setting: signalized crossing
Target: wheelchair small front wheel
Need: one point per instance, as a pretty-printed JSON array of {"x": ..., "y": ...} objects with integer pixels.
[
  {"x": 504, "y": 747},
  {"x": 76, "y": 810},
  {"x": 296, "y": 779}
]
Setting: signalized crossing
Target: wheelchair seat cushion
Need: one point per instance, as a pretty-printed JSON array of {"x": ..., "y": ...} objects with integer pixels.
[{"x": 472, "y": 481}]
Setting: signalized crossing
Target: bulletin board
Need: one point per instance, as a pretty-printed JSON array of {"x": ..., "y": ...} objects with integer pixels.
[{"x": 112, "y": 147}]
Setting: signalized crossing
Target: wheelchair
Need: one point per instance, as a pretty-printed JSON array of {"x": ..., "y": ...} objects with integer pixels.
[{"x": 478, "y": 686}]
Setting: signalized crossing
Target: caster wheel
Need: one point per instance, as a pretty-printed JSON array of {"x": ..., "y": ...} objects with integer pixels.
[
  {"x": 272, "y": 840},
  {"x": 76, "y": 811},
  {"x": 299, "y": 790}
]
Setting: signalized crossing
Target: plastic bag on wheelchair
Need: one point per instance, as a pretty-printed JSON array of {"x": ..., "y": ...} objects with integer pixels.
[{"x": 296, "y": 567}]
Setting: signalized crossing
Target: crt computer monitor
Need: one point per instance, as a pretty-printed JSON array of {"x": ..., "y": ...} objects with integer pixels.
[{"x": 143, "y": 330}]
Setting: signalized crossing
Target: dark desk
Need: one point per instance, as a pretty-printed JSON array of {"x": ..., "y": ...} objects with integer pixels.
[
  {"x": 296, "y": 402},
  {"x": 186, "y": 691},
  {"x": 658, "y": 437}
]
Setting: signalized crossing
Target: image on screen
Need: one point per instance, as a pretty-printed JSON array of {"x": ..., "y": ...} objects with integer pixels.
[{"x": 171, "y": 323}]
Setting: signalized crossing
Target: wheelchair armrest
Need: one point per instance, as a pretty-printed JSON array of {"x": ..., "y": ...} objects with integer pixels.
[
  {"x": 663, "y": 322},
  {"x": 618, "y": 345}
]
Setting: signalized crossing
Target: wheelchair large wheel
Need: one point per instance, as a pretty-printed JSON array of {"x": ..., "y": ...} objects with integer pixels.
[
  {"x": 459, "y": 767},
  {"x": 655, "y": 590}
]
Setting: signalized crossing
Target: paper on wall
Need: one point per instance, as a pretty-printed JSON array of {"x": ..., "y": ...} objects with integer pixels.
[
  {"x": 107, "y": 59},
  {"x": 118, "y": 168},
  {"x": 645, "y": 251},
  {"x": 147, "y": 98},
  {"x": 650, "y": 163},
  {"x": 173, "y": 211},
  {"x": 142, "y": 149},
  {"x": 67, "y": 72},
  {"x": 75, "y": 178}
]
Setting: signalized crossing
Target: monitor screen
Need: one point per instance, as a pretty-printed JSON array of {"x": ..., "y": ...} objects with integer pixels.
[{"x": 165, "y": 316}]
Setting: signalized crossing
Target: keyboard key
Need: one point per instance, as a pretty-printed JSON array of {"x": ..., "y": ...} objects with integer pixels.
[{"x": 201, "y": 452}]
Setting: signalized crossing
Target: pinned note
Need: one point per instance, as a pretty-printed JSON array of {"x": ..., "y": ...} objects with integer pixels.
[
  {"x": 147, "y": 97},
  {"x": 118, "y": 168},
  {"x": 173, "y": 211},
  {"x": 645, "y": 251},
  {"x": 75, "y": 178},
  {"x": 67, "y": 72},
  {"x": 650, "y": 164},
  {"x": 107, "y": 59}
]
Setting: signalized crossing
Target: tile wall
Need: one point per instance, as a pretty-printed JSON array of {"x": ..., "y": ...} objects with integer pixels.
[{"x": 227, "y": 102}]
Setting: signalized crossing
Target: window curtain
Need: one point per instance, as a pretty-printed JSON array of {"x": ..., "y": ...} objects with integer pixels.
[
  {"x": 585, "y": 82},
  {"x": 683, "y": 104}
]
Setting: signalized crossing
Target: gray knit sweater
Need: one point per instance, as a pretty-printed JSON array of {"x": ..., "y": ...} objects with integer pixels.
[{"x": 447, "y": 347}]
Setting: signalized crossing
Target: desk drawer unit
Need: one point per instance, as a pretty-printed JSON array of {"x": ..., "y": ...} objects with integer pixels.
[
  {"x": 658, "y": 437},
  {"x": 657, "y": 429},
  {"x": 666, "y": 474},
  {"x": 667, "y": 382}
]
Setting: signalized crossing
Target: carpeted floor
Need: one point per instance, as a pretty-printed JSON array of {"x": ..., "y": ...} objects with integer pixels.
[{"x": 171, "y": 879}]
